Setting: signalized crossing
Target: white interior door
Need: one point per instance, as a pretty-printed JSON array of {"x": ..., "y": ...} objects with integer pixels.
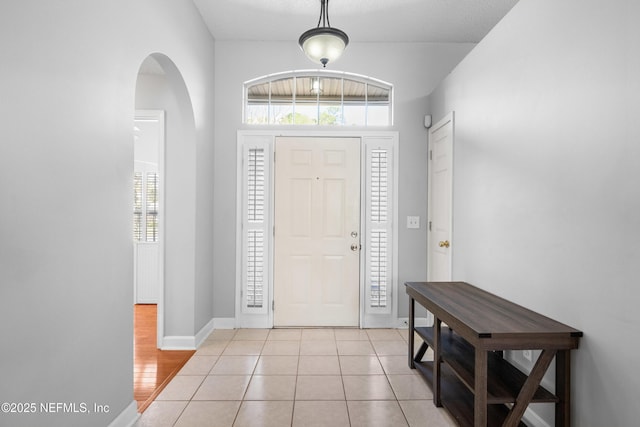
[
  {"x": 317, "y": 231},
  {"x": 440, "y": 200}
]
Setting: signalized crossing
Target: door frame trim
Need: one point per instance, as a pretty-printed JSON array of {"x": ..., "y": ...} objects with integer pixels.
[{"x": 249, "y": 320}]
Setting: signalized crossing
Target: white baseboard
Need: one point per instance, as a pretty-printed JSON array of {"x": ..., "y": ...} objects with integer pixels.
[
  {"x": 224, "y": 323},
  {"x": 128, "y": 417},
  {"x": 204, "y": 333},
  {"x": 533, "y": 419},
  {"x": 230, "y": 323},
  {"x": 185, "y": 342},
  {"x": 177, "y": 342}
]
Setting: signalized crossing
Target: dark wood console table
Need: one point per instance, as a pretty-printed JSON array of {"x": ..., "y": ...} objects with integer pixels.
[{"x": 472, "y": 379}]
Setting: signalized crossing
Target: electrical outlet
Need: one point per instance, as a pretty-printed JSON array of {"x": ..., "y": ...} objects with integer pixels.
[
  {"x": 413, "y": 222},
  {"x": 527, "y": 355}
]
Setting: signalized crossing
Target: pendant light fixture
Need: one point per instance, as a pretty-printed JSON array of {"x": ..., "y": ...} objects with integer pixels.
[{"x": 323, "y": 44}]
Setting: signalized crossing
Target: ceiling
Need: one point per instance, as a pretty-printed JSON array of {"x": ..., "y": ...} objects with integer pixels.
[{"x": 453, "y": 21}]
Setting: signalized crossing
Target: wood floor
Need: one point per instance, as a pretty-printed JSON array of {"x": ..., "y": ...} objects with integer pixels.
[{"x": 152, "y": 368}]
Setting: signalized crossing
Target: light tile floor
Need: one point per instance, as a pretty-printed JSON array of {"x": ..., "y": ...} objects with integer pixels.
[{"x": 298, "y": 377}]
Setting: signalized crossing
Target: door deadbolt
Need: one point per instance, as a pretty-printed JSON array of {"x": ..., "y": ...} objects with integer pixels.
[{"x": 354, "y": 234}]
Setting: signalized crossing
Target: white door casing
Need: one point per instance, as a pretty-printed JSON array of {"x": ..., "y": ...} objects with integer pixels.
[
  {"x": 439, "y": 232},
  {"x": 317, "y": 231}
]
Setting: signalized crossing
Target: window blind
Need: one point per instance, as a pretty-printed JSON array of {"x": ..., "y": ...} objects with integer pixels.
[
  {"x": 152, "y": 207},
  {"x": 255, "y": 270},
  {"x": 145, "y": 207},
  {"x": 137, "y": 206},
  {"x": 255, "y": 230},
  {"x": 379, "y": 230},
  {"x": 255, "y": 186}
]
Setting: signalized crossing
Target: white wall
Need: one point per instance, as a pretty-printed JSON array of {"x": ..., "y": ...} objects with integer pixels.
[
  {"x": 68, "y": 80},
  {"x": 546, "y": 193},
  {"x": 413, "y": 68}
]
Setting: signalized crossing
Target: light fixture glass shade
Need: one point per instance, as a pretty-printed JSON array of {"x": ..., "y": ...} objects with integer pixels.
[{"x": 323, "y": 44}]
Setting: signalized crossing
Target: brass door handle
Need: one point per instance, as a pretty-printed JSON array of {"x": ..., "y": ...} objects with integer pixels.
[{"x": 444, "y": 244}]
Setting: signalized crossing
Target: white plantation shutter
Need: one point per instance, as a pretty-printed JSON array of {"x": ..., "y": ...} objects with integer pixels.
[
  {"x": 145, "y": 206},
  {"x": 379, "y": 229},
  {"x": 255, "y": 269},
  {"x": 255, "y": 230},
  {"x": 137, "y": 206},
  {"x": 152, "y": 207},
  {"x": 378, "y": 268},
  {"x": 255, "y": 185}
]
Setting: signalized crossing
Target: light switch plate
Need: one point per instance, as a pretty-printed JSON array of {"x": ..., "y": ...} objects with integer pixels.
[{"x": 413, "y": 222}]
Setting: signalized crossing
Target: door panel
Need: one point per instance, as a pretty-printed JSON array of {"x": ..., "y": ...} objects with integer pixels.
[
  {"x": 334, "y": 197},
  {"x": 300, "y": 212},
  {"x": 317, "y": 207}
]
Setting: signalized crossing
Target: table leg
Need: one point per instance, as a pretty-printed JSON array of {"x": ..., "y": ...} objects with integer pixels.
[
  {"x": 563, "y": 388},
  {"x": 480, "y": 389},
  {"x": 421, "y": 351},
  {"x": 529, "y": 388},
  {"x": 437, "y": 323},
  {"x": 412, "y": 309}
]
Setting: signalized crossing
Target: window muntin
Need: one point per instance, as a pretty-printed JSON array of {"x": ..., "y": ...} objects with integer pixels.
[{"x": 318, "y": 98}]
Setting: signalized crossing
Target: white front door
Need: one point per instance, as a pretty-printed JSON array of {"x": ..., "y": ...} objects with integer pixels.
[
  {"x": 317, "y": 231},
  {"x": 440, "y": 200}
]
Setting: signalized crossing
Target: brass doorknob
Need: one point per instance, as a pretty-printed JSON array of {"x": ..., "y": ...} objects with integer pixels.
[{"x": 444, "y": 244}]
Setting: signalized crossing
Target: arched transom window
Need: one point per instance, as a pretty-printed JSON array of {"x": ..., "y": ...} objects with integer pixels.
[{"x": 318, "y": 97}]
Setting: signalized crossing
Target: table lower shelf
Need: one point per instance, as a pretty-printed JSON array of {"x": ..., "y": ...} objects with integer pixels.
[
  {"x": 458, "y": 400},
  {"x": 504, "y": 380}
]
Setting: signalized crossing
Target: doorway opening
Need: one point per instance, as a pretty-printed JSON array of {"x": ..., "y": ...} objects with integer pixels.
[{"x": 164, "y": 231}]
